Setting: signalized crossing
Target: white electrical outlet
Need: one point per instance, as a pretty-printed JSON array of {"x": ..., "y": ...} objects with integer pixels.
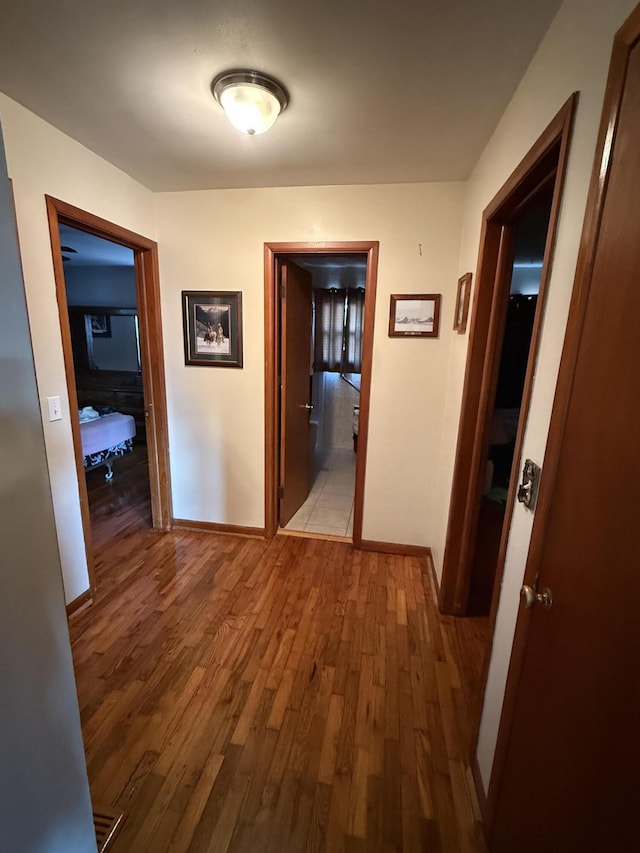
[{"x": 55, "y": 410}]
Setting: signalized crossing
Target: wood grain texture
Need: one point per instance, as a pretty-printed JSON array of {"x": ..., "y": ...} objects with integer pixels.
[{"x": 290, "y": 694}]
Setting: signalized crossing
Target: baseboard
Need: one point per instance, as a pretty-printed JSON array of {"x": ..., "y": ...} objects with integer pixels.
[
  {"x": 434, "y": 577},
  {"x": 394, "y": 548},
  {"x": 83, "y": 599},
  {"x": 214, "y": 527}
]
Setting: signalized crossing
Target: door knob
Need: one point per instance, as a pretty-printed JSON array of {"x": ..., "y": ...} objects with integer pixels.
[
  {"x": 307, "y": 406},
  {"x": 530, "y": 596}
]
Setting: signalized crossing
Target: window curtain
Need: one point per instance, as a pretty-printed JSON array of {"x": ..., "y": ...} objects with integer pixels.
[
  {"x": 354, "y": 324},
  {"x": 339, "y": 318}
]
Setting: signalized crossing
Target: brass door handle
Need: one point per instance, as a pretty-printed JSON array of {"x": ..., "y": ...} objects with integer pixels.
[
  {"x": 306, "y": 406},
  {"x": 530, "y": 596}
]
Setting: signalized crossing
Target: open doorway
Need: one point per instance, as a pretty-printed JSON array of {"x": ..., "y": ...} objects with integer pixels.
[
  {"x": 338, "y": 285},
  {"x": 85, "y": 330},
  {"x": 517, "y": 243},
  {"x": 320, "y": 302},
  {"x": 102, "y": 305},
  {"x": 530, "y": 237}
]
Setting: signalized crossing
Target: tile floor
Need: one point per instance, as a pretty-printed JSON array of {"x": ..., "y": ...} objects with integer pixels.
[{"x": 329, "y": 507}]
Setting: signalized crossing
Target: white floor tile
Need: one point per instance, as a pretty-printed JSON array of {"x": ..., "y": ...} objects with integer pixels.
[
  {"x": 350, "y": 525},
  {"x": 330, "y": 517},
  {"x": 329, "y": 506},
  {"x": 330, "y": 500},
  {"x": 321, "y": 528},
  {"x": 300, "y": 518},
  {"x": 338, "y": 487}
]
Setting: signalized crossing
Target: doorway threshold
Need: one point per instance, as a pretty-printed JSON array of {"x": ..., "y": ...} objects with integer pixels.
[{"x": 303, "y": 534}]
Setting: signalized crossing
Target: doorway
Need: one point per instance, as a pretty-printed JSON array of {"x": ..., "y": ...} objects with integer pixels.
[
  {"x": 337, "y": 308},
  {"x": 494, "y": 406},
  {"x": 85, "y": 331},
  {"x": 531, "y": 227},
  {"x": 102, "y": 307},
  {"x": 320, "y": 301}
]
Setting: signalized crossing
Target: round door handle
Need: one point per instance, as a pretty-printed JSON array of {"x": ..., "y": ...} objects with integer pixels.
[{"x": 530, "y": 596}]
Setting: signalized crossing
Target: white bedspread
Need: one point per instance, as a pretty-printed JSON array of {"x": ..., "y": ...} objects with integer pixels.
[{"x": 105, "y": 432}]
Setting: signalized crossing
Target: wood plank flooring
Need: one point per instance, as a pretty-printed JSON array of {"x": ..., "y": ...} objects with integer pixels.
[{"x": 285, "y": 695}]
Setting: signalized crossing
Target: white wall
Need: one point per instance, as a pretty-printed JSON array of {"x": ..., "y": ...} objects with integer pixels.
[
  {"x": 43, "y": 160},
  {"x": 213, "y": 240},
  {"x": 573, "y": 56}
]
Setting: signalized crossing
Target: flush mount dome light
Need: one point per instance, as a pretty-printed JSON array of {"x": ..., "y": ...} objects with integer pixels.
[{"x": 251, "y": 100}]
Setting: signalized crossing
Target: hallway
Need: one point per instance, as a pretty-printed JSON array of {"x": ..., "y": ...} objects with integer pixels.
[{"x": 285, "y": 695}]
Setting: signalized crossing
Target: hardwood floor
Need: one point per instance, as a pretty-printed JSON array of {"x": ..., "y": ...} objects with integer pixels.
[{"x": 286, "y": 695}]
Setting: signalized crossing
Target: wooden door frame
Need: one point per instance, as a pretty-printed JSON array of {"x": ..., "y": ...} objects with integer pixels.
[
  {"x": 625, "y": 38},
  {"x": 490, "y": 302},
  {"x": 272, "y": 360},
  {"x": 151, "y": 356}
]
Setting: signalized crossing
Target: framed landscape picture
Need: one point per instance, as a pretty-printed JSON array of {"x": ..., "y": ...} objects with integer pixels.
[
  {"x": 212, "y": 322},
  {"x": 414, "y": 315},
  {"x": 462, "y": 304}
]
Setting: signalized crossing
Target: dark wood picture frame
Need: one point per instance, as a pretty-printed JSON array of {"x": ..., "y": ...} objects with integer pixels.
[
  {"x": 212, "y": 324},
  {"x": 462, "y": 304},
  {"x": 414, "y": 315}
]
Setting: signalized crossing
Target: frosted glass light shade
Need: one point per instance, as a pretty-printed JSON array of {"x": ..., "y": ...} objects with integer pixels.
[{"x": 252, "y": 102}]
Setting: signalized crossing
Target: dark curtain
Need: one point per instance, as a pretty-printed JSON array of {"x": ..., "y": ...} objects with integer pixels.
[
  {"x": 339, "y": 320},
  {"x": 353, "y": 331},
  {"x": 330, "y": 307}
]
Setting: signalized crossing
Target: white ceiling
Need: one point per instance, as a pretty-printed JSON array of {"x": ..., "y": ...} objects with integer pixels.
[{"x": 380, "y": 92}]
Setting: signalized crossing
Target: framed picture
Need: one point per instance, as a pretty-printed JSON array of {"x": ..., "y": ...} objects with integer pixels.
[
  {"x": 462, "y": 304},
  {"x": 414, "y": 315},
  {"x": 212, "y": 321},
  {"x": 100, "y": 325}
]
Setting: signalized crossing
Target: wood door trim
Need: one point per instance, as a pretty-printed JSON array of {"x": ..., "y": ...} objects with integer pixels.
[
  {"x": 623, "y": 42},
  {"x": 151, "y": 353},
  {"x": 488, "y": 303},
  {"x": 272, "y": 355}
]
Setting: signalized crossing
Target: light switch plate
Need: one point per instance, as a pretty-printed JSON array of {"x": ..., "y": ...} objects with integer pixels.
[{"x": 55, "y": 410}]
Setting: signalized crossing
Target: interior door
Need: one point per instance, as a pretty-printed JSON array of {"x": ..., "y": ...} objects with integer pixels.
[
  {"x": 570, "y": 779},
  {"x": 295, "y": 373}
]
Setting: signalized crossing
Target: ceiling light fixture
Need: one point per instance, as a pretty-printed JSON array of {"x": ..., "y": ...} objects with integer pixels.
[{"x": 251, "y": 100}]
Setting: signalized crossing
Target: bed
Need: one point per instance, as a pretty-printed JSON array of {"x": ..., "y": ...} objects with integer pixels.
[{"x": 105, "y": 438}]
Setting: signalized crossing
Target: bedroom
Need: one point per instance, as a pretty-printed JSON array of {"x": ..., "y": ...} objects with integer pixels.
[{"x": 105, "y": 362}]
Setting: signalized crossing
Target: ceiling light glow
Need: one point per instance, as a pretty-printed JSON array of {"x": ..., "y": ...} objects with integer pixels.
[{"x": 252, "y": 101}]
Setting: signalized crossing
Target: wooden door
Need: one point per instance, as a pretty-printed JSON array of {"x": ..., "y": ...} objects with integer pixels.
[
  {"x": 295, "y": 366},
  {"x": 570, "y": 761}
]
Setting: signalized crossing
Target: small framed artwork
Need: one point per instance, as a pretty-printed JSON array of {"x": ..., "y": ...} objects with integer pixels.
[
  {"x": 414, "y": 315},
  {"x": 212, "y": 322},
  {"x": 462, "y": 304},
  {"x": 100, "y": 325}
]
